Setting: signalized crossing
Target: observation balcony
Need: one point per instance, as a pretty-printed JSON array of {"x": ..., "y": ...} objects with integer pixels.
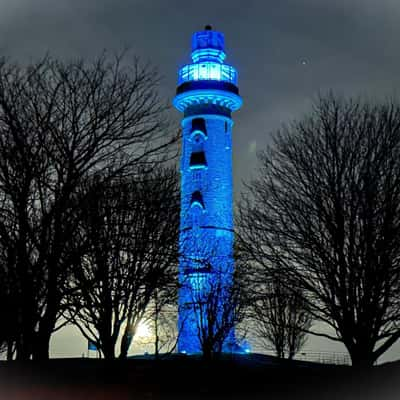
[{"x": 207, "y": 71}]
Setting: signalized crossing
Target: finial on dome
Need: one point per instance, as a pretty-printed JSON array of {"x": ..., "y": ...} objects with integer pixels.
[{"x": 208, "y": 28}]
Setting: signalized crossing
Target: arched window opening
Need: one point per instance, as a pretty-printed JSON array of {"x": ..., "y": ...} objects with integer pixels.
[
  {"x": 197, "y": 200},
  {"x": 199, "y": 126}
]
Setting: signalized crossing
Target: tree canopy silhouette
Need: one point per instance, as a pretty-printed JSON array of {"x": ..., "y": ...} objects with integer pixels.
[
  {"x": 61, "y": 122},
  {"x": 280, "y": 316},
  {"x": 324, "y": 212},
  {"x": 130, "y": 228}
]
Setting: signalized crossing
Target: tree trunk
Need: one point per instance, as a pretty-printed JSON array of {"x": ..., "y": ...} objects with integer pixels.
[
  {"x": 24, "y": 346},
  {"x": 207, "y": 354},
  {"x": 157, "y": 340},
  {"x": 10, "y": 350},
  {"x": 125, "y": 343},
  {"x": 156, "y": 316},
  {"x": 207, "y": 351},
  {"x": 362, "y": 357},
  {"x": 108, "y": 349},
  {"x": 42, "y": 346}
]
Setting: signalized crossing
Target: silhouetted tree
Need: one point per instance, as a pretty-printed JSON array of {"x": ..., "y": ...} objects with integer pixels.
[
  {"x": 131, "y": 230},
  {"x": 164, "y": 322},
  {"x": 325, "y": 213},
  {"x": 60, "y": 123},
  {"x": 219, "y": 302},
  {"x": 163, "y": 317},
  {"x": 280, "y": 318}
]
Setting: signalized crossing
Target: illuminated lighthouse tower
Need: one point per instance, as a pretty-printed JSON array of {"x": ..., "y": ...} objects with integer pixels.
[{"x": 207, "y": 94}]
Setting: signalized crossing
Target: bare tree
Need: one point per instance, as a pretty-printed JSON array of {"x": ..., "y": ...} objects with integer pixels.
[
  {"x": 60, "y": 123},
  {"x": 325, "y": 213},
  {"x": 280, "y": 318},
  {"x": 164, "y": 322},
  {"x": 218, "y": 302},
  {"x": 130, "y": 227},
  {"x": 163, "y": 317}
]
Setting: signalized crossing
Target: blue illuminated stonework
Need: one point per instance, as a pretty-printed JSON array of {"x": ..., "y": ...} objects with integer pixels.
[{"x": 207, "y": 93}]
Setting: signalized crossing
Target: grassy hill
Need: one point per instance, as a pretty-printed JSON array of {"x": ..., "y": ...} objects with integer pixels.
[{"x": 252, "y": 376}]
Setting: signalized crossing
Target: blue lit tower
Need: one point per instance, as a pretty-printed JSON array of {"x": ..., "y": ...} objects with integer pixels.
[{"x": 207, "y": 94}]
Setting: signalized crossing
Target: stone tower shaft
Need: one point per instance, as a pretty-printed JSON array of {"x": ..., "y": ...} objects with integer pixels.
[{"x": 207, "y": 93}]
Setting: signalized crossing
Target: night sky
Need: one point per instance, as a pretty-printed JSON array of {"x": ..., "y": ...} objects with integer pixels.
[{"x": 286, "y": 51}]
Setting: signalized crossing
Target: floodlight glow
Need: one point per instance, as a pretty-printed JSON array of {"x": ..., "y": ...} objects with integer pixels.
[
  {"x": 143, "y": 330},
  {"x": 197, "y": 281},
  {"x": 198, "y": 166},
  {"x": 197, "y": 204}
]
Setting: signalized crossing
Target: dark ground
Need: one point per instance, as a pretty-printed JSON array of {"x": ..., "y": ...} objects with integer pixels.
[{"x": 181, "y": 377}]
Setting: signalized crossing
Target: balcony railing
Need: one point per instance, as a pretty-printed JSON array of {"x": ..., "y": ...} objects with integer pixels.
[{"x": 207, "y": 71}]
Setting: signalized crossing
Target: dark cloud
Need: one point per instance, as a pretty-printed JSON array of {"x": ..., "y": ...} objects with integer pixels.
[{"x": 286, "y": 51}]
